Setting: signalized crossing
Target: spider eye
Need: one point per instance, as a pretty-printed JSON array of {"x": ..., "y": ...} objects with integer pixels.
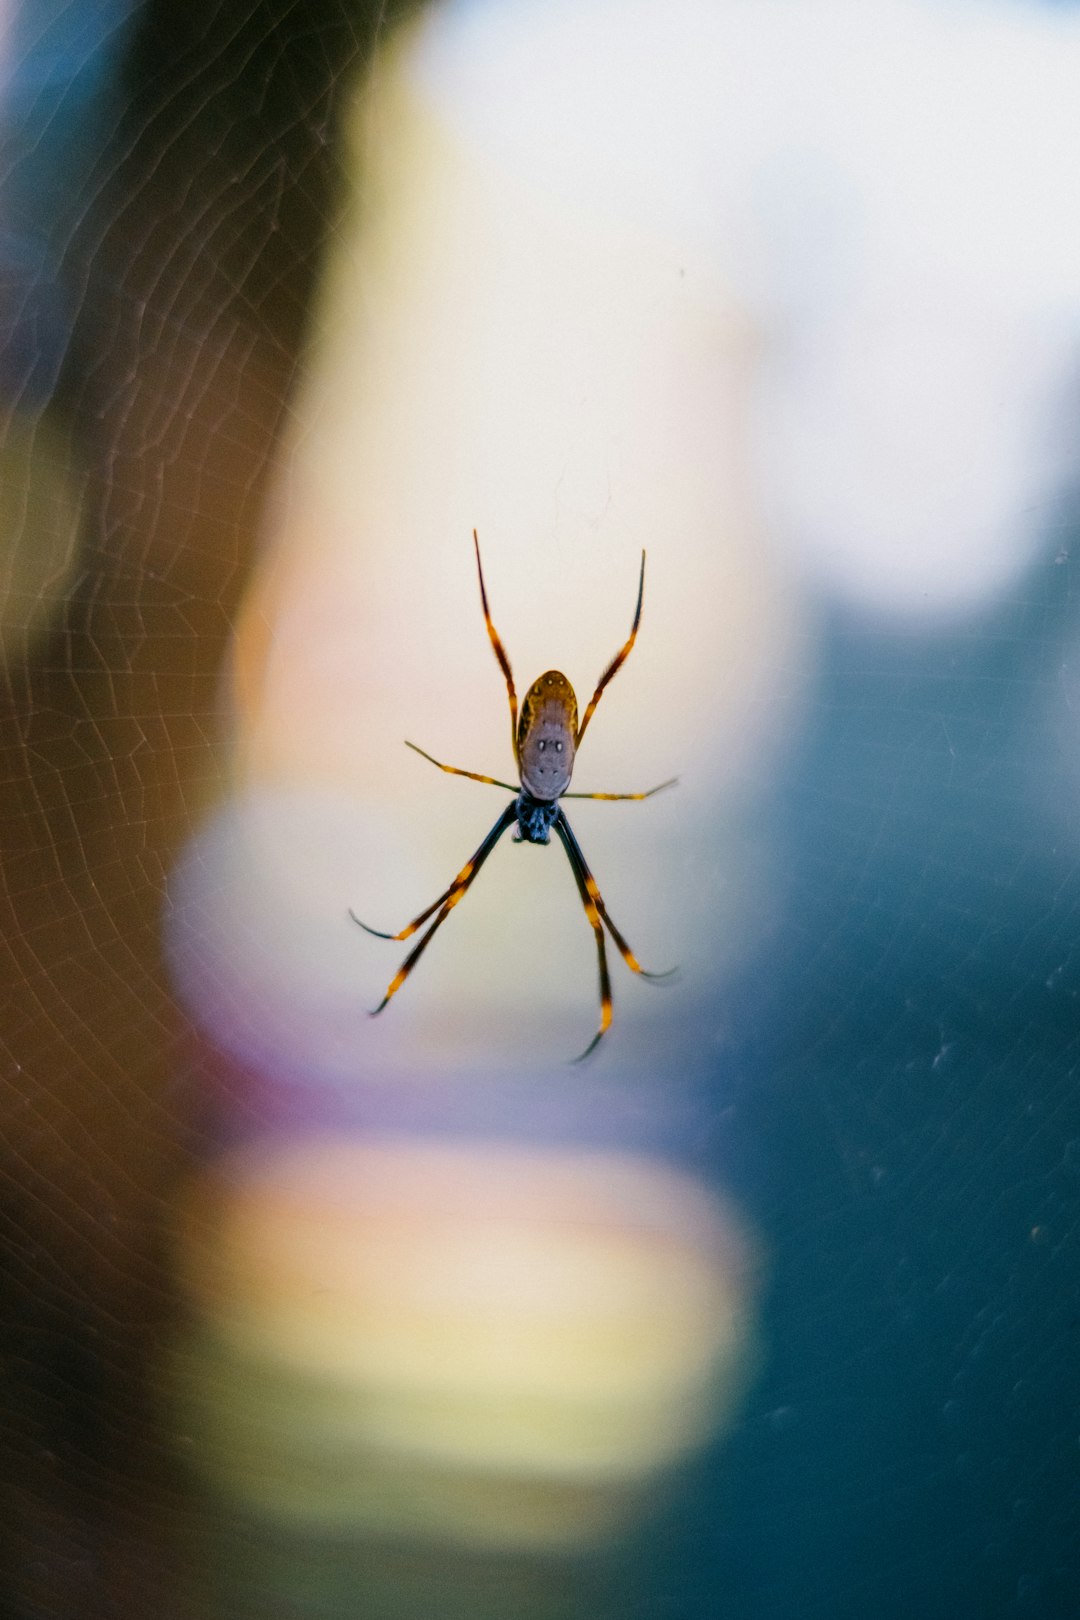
[
  {"x": 541, "y": 745},
  {"x": 558, "y": 747}
]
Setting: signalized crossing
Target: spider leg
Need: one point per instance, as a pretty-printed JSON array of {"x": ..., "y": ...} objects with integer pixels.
[
  {"x": 587, "y": 883},
  {"x": 671, "y": 781},
  {"x": 474, "y": 776},
  {"x": 617, "y": 662},
  {"x": 595, "y": 924},
  {"x": 500, "y": 652},
  {"x": 444, "y": 905}
]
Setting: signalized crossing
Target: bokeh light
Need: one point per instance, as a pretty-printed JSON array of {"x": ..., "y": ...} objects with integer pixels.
[{"x": 465, "y": 1343}]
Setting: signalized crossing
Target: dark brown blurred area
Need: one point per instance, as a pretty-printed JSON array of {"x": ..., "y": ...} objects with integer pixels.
[{"x": 191, "y": 265}]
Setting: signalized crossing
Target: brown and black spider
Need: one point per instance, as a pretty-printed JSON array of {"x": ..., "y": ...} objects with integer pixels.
[{"x": 545, "y": 740}]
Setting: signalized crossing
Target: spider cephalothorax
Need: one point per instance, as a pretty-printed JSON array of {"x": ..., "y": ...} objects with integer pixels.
[{"x": 535, "y": 818}]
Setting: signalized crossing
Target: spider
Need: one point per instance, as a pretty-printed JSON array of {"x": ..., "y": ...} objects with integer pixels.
[{"x": 545, "y": 740}]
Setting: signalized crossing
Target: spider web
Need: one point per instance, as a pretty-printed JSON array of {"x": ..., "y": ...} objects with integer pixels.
[
  {"x": 173, "y": 171},
  {"x": 891, "y": 1086}
]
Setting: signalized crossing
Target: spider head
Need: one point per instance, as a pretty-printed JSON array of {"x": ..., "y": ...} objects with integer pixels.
[{"x": 535, "y": 819}]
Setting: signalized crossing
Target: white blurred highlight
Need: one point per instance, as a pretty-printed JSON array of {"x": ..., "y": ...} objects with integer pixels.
[
  {"x": 259, "y": 940},
  {"x": 912, "y": 451},
  {"x": 887, "y": 189},
  {"x": 477, "y": 1343}
]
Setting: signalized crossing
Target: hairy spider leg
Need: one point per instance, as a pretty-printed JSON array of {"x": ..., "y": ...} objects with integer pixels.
[
  {"x": 671, "y": 781},
  {"x": 500, "y": 653},
  {"x": 581, "y": 870},
  {"x": 593, "y": 914},
  {"x": 444, "y": 905},
  {"x": 617, "y": 662},
  {"x": 474, "y": 776}
]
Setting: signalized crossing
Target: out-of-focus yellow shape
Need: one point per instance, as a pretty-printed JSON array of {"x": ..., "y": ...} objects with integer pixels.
[{"x": 485, "y": 1343}]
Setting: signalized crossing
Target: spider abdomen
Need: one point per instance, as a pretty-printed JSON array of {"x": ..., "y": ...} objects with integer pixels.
[{"x": 547, "y": 736}]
